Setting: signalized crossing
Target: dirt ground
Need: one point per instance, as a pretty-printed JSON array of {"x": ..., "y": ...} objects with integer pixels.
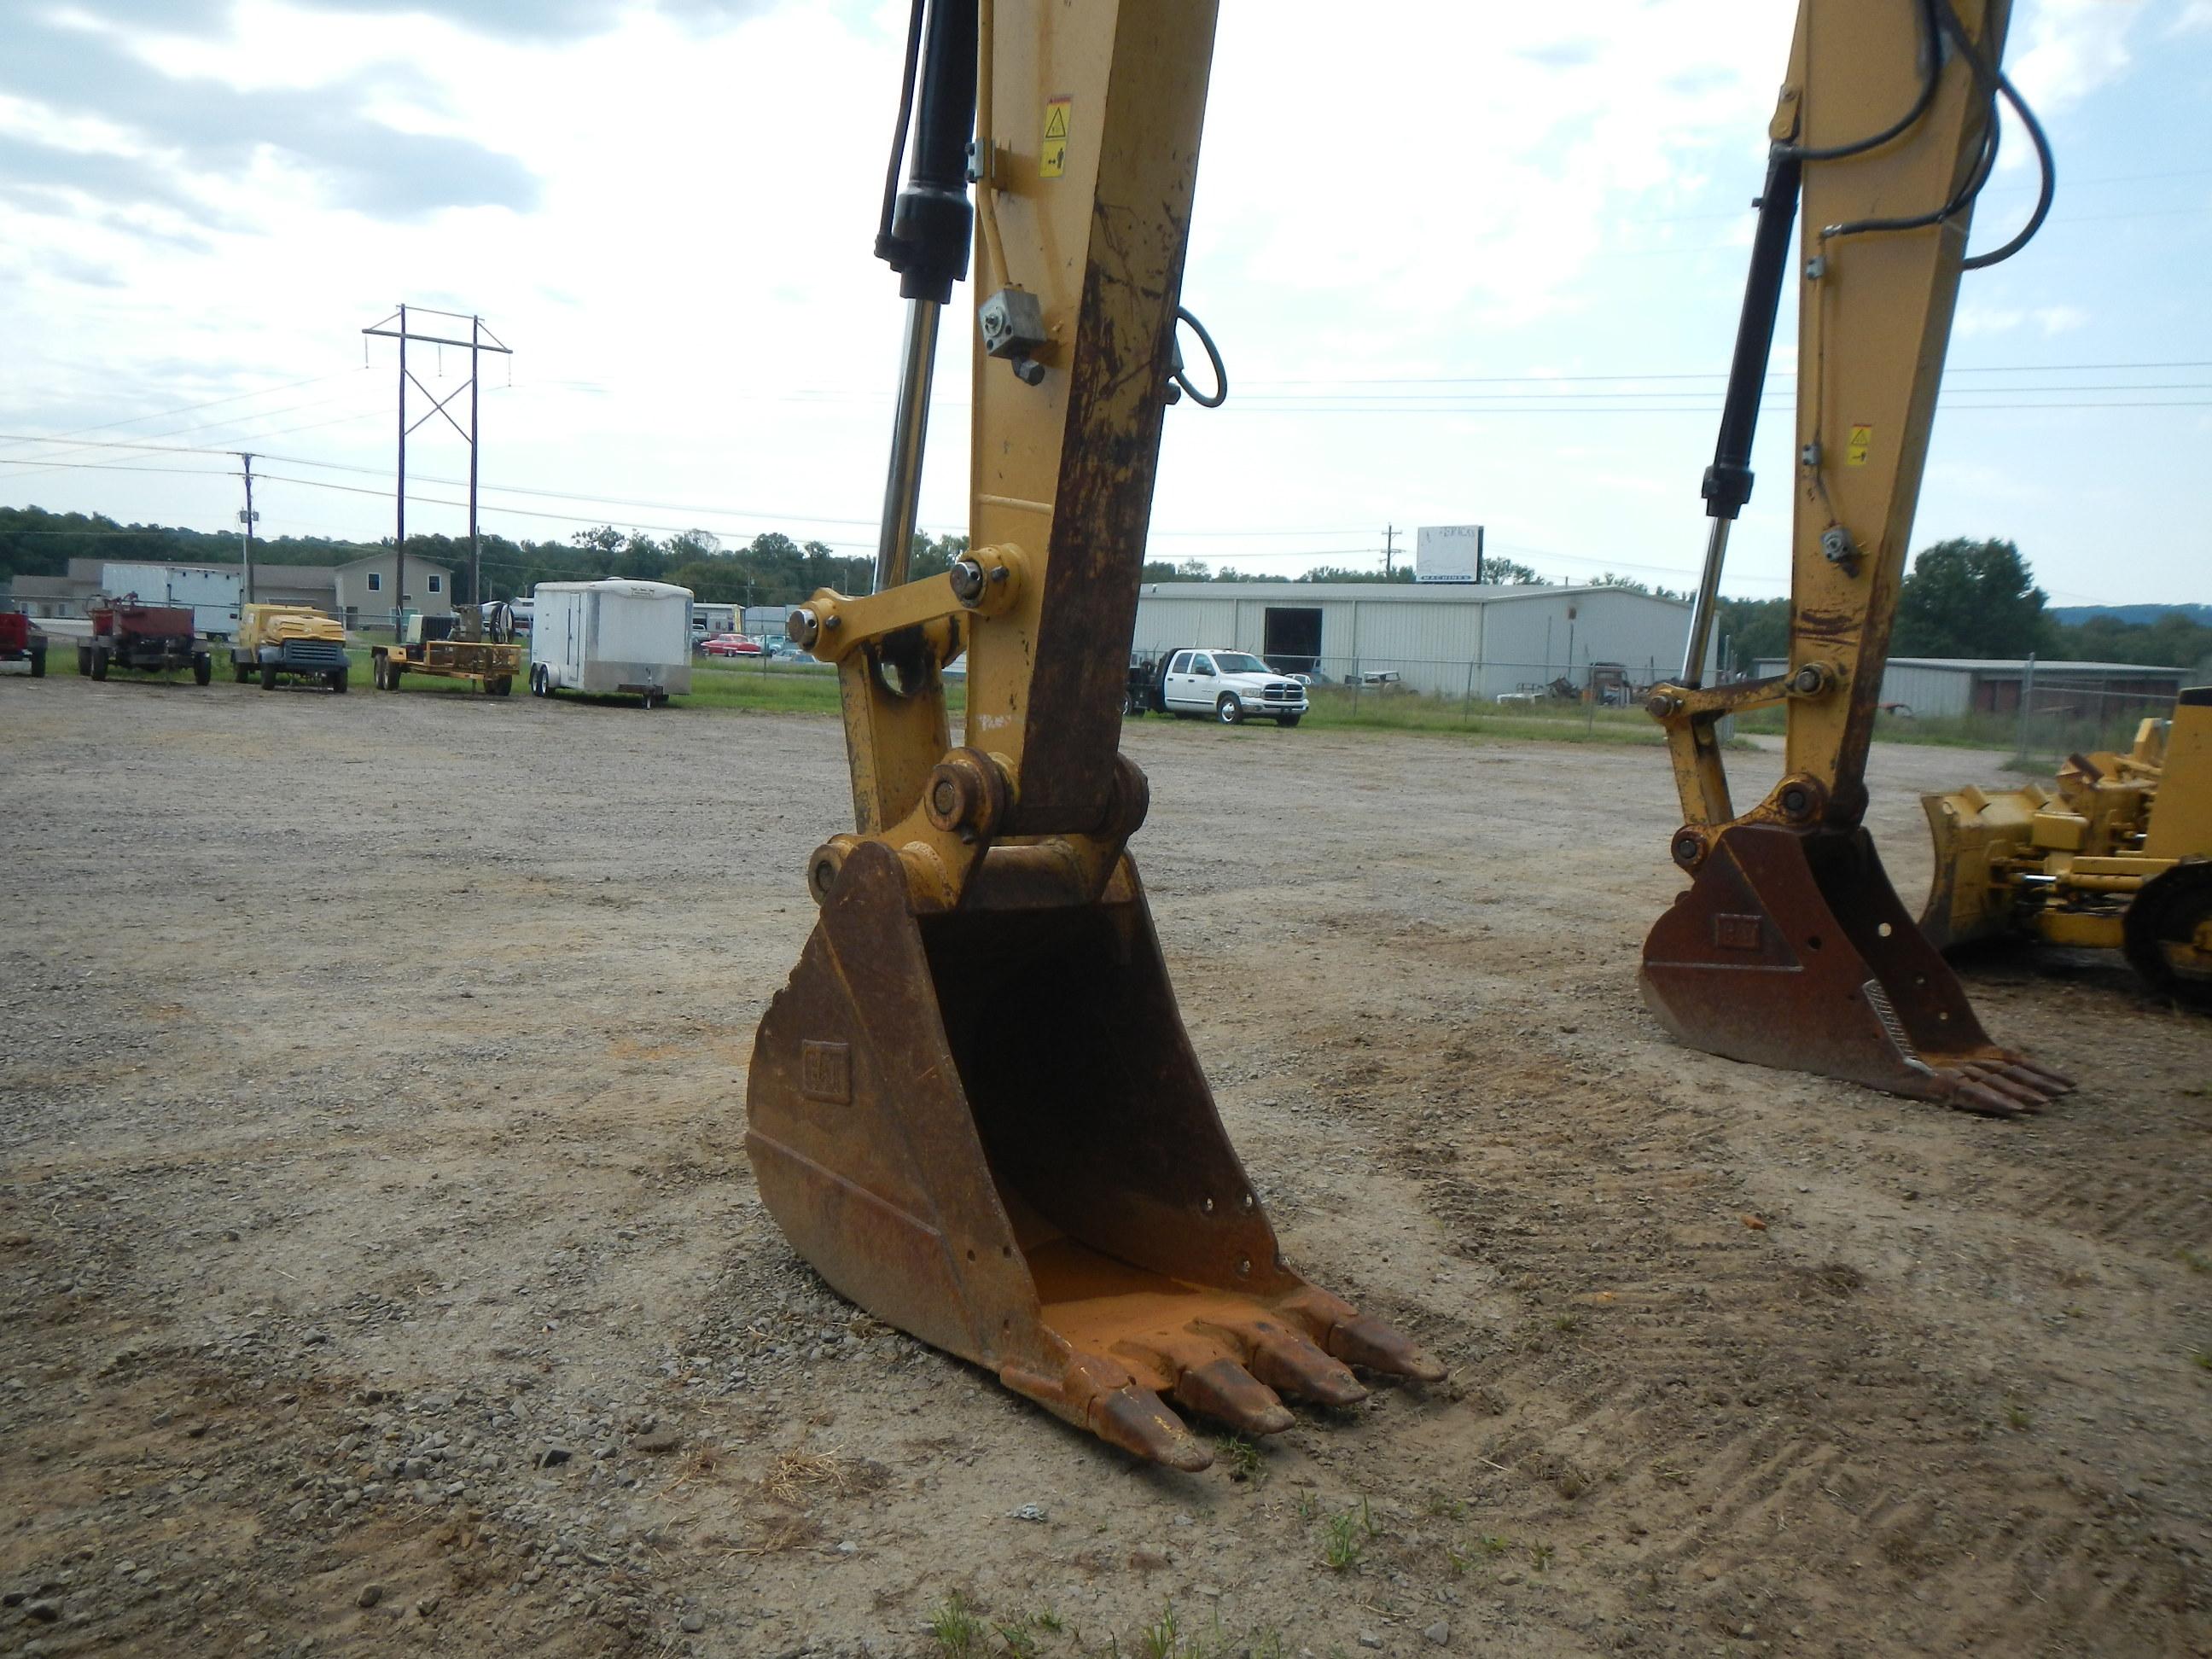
[{"x": 380, "y": 1270}]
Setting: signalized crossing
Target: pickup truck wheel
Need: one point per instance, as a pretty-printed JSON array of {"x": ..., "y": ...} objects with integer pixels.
[
  {"x": 84, "y": 660},
  {"x": 380, "y": 672},
  {"x": 1286, "y": 721},
  {"x": 240, "y": 671},
  {"x": 338, "y": 681},
  {"x": 39, "y": 665},
  {"x": 1229, "y": 711},
  {"x": 203, "y": 670},
  {"x": 99, "y": 664},
  {"x": 268, "y": 678}
]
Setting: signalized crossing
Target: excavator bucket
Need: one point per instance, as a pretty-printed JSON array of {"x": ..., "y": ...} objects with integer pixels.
[
  {"x": 1974, "y": 832},
  {"x": 1790, "y": 949},
  {"x": 988, "y": 1128}
]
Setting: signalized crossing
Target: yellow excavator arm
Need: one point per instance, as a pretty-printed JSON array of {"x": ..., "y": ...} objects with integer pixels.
[
  {"x": 974, "y": 1109},
  {"x": 1790, "y": 948}
]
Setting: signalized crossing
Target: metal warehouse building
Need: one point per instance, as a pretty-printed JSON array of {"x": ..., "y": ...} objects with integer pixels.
[
  {"x": 1454, "y": 639},
  {"x": 1992, "y": 685}
]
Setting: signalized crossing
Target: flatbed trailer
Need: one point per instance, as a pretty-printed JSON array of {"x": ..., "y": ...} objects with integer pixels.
[{"x": 427, "y": 647}]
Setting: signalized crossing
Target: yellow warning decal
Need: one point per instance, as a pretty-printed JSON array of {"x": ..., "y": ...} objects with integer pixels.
[
  {"x": 1052, "y": 157},
  {"x": 1855, "y": 453}
]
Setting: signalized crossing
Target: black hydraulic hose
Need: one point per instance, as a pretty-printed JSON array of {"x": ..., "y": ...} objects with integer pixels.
[
  {"x": 1728, "y": 481},
  {"x": 1931, "y": 74},
  {"x": 886, "y": 248},
  {"x": 2046, "y": 164}
]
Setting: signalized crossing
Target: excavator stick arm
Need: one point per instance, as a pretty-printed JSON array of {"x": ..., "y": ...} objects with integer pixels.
[
  {"x": 973, "y": 1107},
  {"x": 1789, "y": 947}
]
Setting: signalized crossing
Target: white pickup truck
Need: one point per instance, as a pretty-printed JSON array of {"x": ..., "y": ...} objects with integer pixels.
[{"x": 1231, "y": 686}]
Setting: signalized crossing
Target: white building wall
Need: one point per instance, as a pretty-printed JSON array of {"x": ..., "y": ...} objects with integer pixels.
[{"x": 1484, "y": 640}]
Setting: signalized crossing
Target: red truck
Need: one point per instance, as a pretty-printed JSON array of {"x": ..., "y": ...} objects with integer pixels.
[
  {"x": 151, "y": 637},
  {"x": 20, "y": 642}
]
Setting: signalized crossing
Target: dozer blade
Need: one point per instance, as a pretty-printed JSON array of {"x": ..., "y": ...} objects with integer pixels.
[
  {"x": 988, "y": 1128},
  {"x": 1973, "y": 834},
  {"x": 1791, "y": 950}
]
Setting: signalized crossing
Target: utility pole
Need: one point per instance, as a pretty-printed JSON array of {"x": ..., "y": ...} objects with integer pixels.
[
  {"x": 481, "y": 339},
  {"x": 247, "y": 516},
  {"x": 1389, "y": 551}
]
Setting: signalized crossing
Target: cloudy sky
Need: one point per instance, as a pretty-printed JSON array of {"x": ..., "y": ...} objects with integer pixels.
[{"x": 1469, "y": 263}]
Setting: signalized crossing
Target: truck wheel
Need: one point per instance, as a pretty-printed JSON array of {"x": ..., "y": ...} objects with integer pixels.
[
  {"x": 99, "y": 664},
  {"x": 38, "y": 663},
  {"x": 268, "y": 678},
  {"x": 84, "y": 660},
  {"x": 538, "y": 679},
  {"x": 203, "y": 670},
  {"x": 1286, "y": 721},
  {"x": 1229, "y": 711},
  {"x": 338, "y": 681},
  {"x": 241, "y": 673}
]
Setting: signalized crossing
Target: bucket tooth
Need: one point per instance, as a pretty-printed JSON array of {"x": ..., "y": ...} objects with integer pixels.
[
  {"x": 1790, "y": 949},
  {"x": 988, "y": 1128},
  {"x": 1223, "y": 1388}
]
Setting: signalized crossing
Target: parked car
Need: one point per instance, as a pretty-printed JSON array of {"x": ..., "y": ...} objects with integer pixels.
[
  {"x": 732, "y": 645},
  {"x": 1231, "y": 686}
]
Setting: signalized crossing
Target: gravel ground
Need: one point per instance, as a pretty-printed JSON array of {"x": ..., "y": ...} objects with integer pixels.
[{"x": 382, "y": 1271}]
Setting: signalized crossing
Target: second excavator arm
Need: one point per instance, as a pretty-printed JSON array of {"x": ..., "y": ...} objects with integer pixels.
[{"x": 1790, "y": 948}]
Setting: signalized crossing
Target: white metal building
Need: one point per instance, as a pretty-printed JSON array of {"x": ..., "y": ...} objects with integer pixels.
[{"x": 1449, "y": 638}]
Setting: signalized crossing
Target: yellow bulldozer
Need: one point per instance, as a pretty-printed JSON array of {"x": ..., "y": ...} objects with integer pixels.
[{"x": 2117, "y": 856}]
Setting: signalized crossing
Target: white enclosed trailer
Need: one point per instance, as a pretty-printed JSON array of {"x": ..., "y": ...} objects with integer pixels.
[
  {"x": 612, "y": 636},
  {"x": 212, "y": 596}
]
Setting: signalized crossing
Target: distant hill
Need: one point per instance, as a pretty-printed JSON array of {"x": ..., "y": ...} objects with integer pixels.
[{"x": 2072, "y": 616}]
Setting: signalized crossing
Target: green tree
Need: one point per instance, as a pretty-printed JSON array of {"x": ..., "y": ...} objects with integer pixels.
[
  {"x": 1969, "y": 599},
  {"x": 1511, "y": 573},
  {"x": 1752, "y": 628}
]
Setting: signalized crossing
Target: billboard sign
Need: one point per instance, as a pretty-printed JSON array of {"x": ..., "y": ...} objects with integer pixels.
[{"x": 1447, "y": 553}]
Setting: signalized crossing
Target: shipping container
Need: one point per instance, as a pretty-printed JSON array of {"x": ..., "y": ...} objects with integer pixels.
[{"x": 614, "y": 636}]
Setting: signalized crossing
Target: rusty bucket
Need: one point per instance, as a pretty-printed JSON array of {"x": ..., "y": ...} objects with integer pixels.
[
  {"x": 988, "y": 1128},
  {"x": 1791, "y": 949}
]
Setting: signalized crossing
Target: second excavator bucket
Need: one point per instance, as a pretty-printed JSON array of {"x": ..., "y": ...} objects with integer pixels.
[
  {"x": 1974, "y": 832},
  {"x": 1791, "y": 949},
  {"x": 988, "y": 1128}
]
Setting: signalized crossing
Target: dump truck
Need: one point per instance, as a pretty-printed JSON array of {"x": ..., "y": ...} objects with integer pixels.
[
  {"x": 150, "y": 638},
  {"x": 288, "y": 642},
  {"x": 19, "y": 642},
  {"x": 477, "y": 642},
  {"x": 2117, "y": 855}
]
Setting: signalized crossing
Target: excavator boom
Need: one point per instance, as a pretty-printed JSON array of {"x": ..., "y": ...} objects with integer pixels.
[
  {"x": 973, "y": 1107},
  {"x": 1790, "y": 948}
]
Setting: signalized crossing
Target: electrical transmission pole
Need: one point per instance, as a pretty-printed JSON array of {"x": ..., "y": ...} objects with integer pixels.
[
  {"x": 481, "y": 339},
  {"x": 247, "y": 516},
  {"x": 1390, "y": 551}
]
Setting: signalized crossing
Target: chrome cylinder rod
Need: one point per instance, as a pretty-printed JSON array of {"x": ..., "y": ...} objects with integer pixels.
[
  {"x": 909, "y": 428},
  {"x": 1701, "y": 612}
]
